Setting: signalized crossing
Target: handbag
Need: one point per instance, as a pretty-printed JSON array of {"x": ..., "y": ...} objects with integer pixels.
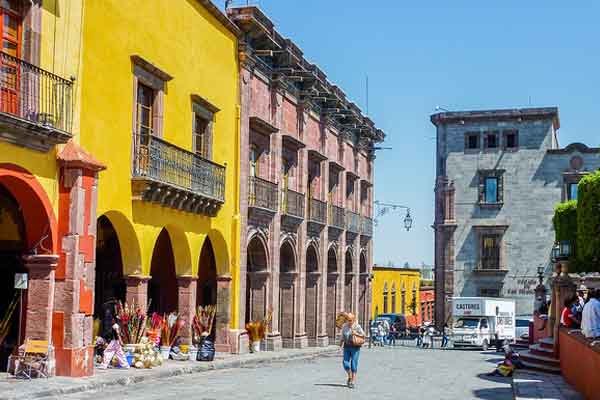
[{"x": 357, "y": 340}]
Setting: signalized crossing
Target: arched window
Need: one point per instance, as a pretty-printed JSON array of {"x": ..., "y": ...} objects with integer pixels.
[
  {"x": 393, "y": 298},
  {"x": 403, "y": 299},
  {"x": 385, "y": 298}
]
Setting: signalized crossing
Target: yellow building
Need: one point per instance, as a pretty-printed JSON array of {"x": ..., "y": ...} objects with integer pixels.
[
  {"x": 395, "y": 291},
  {"x": 160, "y": 106}
]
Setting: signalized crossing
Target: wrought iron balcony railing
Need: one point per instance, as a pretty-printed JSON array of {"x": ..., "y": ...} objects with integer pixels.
[
  {"x": 176, "y": 177},
  {"x": 352, "y": 222},
  {"x": 292, "y": 203},
  {"x": 262, "y": 193},
  {"x": 336, "y": 217},
  {"x": 35, "y": 105},
  {"x": 366, "y": 226},
  {"x": 317, "y": 211}
]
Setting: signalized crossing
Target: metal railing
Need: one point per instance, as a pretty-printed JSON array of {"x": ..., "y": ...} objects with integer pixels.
[
  {"x": 162, "y": 161},
  {"x": 366, "y": 226},
  {"x": 317, "y": 211},
  {"x": 262, "y": 193},
  {"x": 292, "y": 203},
  {"x": 336, "y": 216},
  {"x": 33, "y": 94},
  {"x": 352, "y": 222}
]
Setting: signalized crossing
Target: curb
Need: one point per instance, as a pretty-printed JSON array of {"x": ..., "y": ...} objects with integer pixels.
[{"x": 156, "y": 374}]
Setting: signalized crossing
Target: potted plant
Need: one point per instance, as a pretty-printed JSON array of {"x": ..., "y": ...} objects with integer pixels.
[{"x": 257, "y": 331}]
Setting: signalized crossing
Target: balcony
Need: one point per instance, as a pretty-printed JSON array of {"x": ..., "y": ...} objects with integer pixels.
[
  {"x": 317, "y": 211},
  {"x": 262, "y": 194},
  {"x": 35, "y": 105},
  {"x": 352, "y": 222},
  {"x": 292, "y": 204},
  {"x": 366, "y": 226},
  {"x": 169, "y": 175},
  {"x": 336, "y": 217}
]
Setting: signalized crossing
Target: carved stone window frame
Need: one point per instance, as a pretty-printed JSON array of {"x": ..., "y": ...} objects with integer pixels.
[
  {"x": 483, "y": 174},
  {"x": 570, "y": 178},
  {"x": 505, "y": 135},
  {"x": 468, "y": 136},
  {"x": 483, "y": 231},
  {"x": 207, "y": 111},
  {"x": 487, "y": 135}
]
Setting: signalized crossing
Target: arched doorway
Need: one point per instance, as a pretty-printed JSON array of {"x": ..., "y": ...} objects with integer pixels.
[
  {"x": 12, "y": 247},
  {"x": 256, "y": 283},
  {"x": 162, "y": 288},
  {"x": 362, "y": 290},
  {"x": 332, "y": 291},
  {"x": 206, "y": 292},
  {"x": 349, "y": 275},
  {"x": 109, "y": 286},
  {"x": 311, "y": 300},
  {"x": 287, "y": 294}
]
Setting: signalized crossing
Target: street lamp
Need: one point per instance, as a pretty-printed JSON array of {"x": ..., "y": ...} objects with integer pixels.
[
  {"x": 565, "y": 249},
  {"x": 555, "y": 252},
  {"x": 540, "y": 272},
  {"x": 384, "y": 208},
  {"x": 408, "y": 221}
]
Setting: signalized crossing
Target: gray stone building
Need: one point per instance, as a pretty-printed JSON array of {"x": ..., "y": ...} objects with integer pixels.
[{"x": 499, "y": 175}]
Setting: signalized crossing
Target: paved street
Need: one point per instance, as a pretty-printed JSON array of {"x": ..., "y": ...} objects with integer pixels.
[{"x": 400, "y": 372}]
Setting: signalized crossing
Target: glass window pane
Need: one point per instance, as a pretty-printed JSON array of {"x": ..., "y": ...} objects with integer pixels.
[
  {"x": 11, "y": 27},
  {"x": 491, "y": 190},
  {"x": 9, "y": 47},
  {"x": 573, "y": 191}
]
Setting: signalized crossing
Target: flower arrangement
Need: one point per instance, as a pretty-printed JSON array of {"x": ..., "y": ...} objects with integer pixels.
[
  {"x": 154, "y": 328},
  {"x": 203, "y": 321},
  {"x": 257, "y": 330},
  {"x": 171, "y": 329},
  {"x": 5, "y": 321},
  {"x": 131, "y": 321}
]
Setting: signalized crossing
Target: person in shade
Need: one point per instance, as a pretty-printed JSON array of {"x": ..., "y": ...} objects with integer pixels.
[
  {"x": 590, "y": 320},
  {"x": 353, "y": 338}
]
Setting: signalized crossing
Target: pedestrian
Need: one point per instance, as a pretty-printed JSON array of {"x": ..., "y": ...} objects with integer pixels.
[
  {"x": 568, "y": 318},
  {"x": 353, "y": 337},
  {"x": 380, "y": 333},
  {"x": 392, "y": 334},
  {"x": 114, "y": 349},
  {"x": 386, "y": 331},
  {"x": 420, "y": 336},
  {"x": 590, "y": 320},
  {"x": 444, "y": 335}
]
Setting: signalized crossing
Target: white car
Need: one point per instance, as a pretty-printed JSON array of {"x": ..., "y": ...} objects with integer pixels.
[{"x": 522, "y": 326}]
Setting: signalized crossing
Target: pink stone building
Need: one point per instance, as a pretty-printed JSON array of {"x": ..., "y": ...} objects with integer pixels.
[{"x": 306, "y": 203}]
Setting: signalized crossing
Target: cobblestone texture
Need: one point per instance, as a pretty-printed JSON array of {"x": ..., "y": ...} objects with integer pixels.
[{"x": 539, "y": 386}]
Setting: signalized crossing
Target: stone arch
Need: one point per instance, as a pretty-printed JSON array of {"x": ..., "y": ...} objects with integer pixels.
[
  {"x": 385, "y": 295},
  {"x": 288, "y": 254},
  {"x": 221, "y": 252},
  {"x": 311, "y": 298},
  {"x": 348, "y": 281},
  {"x": 41, "y": 232},
  {"x": 393, "y": 298},
  {"x": 181, "y": 250},
  {"x": 109, "y": 282},
  {"x": 312, "y": 258},
  {"x": 206, "y": 290},
  {"x": 257, "y": 276},
  {"x": 162, "y": 287},
  {"x": 287, "y": 292},
  {"x": 131, "y": 256},
  {"x": 332, "y": 291},
  {"x": 363, "y": 267},
  {"x": 363, "y": 289}
]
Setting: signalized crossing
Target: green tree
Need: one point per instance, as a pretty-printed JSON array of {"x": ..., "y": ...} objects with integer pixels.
[{"x": 588, "y": 223}]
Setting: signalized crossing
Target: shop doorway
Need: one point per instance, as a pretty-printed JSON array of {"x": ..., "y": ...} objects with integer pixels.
[
  {"x": 162, "y": 288},
  {"x": 206, "y": 291},
  {"x": 256, "y": 281},
  {"x": 110, "y": 286},
  {"x": 12, "y": 247}
]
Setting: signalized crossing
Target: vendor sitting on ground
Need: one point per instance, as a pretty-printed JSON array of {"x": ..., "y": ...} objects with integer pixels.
[{"x": 509, "y": 364}]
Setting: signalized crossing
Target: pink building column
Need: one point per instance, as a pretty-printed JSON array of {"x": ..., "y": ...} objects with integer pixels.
[
  {"x": 137, "y": 290},
  {"x": 40, "y": 296},
  {"x": 186, "y": 304}
]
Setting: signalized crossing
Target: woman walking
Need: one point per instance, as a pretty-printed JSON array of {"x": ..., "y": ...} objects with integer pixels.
[{"x": 353, "y": 337}]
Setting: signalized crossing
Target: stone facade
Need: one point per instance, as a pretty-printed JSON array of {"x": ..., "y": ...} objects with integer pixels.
[
  {"x": 306, "y": 191},
  {"x": 529, "y": 174}
]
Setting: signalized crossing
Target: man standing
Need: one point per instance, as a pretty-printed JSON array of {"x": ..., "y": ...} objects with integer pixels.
[{"x": 590, "y": 321}]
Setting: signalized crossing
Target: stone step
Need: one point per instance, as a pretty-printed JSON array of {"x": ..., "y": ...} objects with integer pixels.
[
  {"x": 541, "y": 351},
  {"x": 547, "y": 343},
  {"x": 541, "y": 367},
  {"x": 539, "y": 359}
]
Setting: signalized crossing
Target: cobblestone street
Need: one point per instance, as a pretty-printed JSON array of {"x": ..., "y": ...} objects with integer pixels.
[{"x": 389, "y": 373}]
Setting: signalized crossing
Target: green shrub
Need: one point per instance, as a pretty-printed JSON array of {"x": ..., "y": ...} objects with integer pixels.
[
  {"x": 565, "y": 222},
  {"x": 588, "y": 222}
]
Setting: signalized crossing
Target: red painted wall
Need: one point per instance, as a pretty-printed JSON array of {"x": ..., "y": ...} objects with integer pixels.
[{"x": 580, "y": 363}]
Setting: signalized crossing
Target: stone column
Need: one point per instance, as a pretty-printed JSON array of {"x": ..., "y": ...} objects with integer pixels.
[
  {"x": 186, "y": 304},
  {"x": 137, "y": 290},
  {"x": 40, "y": 296},
  {"x": 226, "y": 340},
  {"x": 563, "y": 288}
]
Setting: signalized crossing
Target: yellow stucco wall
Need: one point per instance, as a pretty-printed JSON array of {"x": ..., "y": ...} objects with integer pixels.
[
  {"x": 187, "y": 42},
  {"x": 397, "y": 278}
]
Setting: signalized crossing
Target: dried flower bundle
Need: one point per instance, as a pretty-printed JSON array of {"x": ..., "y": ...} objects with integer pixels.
[
  {"x": 257, "y": 330},
  {"x": 132, "y": 323},
  {"x": 171, "y": 329},
  {"x": 203, "y": 321},
  {"x": 5, "y": 323}
]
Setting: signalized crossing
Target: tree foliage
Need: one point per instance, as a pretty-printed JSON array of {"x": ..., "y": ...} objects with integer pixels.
[
  {"x": 588, "y": 222},
  {"x": 565, "y": 222}
]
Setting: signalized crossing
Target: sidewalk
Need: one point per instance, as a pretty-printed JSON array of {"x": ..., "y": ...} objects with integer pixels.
[
  {"x": 12, "y": 389},
  {"x": 540, "y": 386}
]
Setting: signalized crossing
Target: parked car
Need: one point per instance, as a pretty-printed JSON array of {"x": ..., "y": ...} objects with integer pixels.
[
  {"x": 522, "y": 327},
  {"x": 398, "y": 319}
]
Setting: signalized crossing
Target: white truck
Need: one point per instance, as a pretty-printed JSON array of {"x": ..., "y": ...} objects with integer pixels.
[{"x": 482, "y": 321}]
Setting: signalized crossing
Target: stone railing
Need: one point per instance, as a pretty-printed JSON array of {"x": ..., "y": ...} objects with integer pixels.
[
  {"x": 336, "y": 217},
  {"x": 317, "y": 211},
  {"x": 352, "y": 222},
  {"x": 262, "y": 193},
  {"x": 366, "y": 226},
  {"x": 292, "y": 203}
]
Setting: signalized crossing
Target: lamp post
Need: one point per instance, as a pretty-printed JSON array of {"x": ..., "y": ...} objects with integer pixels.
[{"x": 385, "y": 208}]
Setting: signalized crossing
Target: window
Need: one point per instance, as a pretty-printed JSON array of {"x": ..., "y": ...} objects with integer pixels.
[
  {"x": 491, "y": 140},
  {"x": 472, "y": 141},
  {"x": 490, "y": 251},
  {"x": 254, "y": 158},
  {"x": 483, "y": 324},
  {"x": 489, "y": 292},
  {"x": 11, "y": 45},
  {"x": 511, "y": 139},
  {"x": 572, "y": 191},
  {"x": 145, "y": 112},
  {"x": 393, "y": 299},
  {"x": 491, "y": 187},
  {"x": 385, "y": 298},
  {"x": 201, "y": 136}
]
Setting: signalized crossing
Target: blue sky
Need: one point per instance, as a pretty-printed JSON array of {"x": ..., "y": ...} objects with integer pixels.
[{"x": 456, "y": 54}]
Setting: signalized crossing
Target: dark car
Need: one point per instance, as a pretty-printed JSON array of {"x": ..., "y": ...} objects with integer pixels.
[{"x": 393, "y": 319}]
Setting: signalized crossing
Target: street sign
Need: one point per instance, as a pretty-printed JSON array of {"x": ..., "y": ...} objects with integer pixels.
[{"x": 21, "y": 281}]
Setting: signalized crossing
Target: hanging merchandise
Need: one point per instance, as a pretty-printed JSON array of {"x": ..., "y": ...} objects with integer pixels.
[{"x": 5, "y": 322}]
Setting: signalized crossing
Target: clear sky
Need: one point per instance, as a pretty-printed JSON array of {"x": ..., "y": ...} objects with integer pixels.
[{"x": 456, "y": 54}]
